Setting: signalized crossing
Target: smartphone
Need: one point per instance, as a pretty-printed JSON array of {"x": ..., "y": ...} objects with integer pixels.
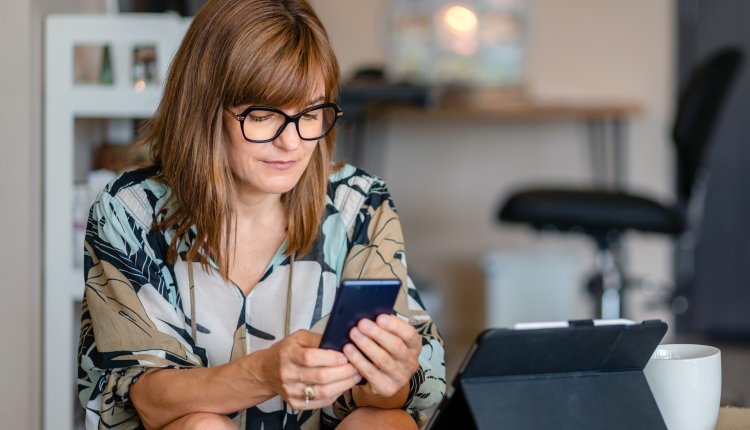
[{"x": 357, "y": 299}]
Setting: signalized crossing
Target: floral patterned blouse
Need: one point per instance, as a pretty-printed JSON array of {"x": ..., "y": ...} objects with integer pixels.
[{"x": 138, "y": 313}]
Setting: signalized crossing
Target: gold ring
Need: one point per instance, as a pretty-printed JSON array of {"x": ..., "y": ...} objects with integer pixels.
[{"x": 309, "y": 394}]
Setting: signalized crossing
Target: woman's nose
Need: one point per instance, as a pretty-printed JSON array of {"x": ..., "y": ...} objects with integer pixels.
[{"x": 289, "y": 138}]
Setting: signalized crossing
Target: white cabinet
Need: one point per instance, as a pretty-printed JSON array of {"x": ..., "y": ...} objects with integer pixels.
[{"x": 70, "y": 109}]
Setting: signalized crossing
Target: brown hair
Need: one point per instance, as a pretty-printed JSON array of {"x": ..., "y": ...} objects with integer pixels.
[{"x": 269, "y": 52}]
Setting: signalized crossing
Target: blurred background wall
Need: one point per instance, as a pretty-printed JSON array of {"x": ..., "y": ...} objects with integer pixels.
[{"x": 20, "y": 186}]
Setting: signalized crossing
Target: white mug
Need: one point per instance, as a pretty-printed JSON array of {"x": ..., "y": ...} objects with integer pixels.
[{"x": 686, "y": 383}]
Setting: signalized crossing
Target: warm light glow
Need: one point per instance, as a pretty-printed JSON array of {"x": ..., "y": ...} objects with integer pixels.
[
  {"x": 140, "y": 85},
  {"x": 460, "y": 19}
]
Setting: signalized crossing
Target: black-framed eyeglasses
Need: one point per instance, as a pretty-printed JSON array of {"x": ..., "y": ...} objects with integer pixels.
[{"x": 261, "y": 124}]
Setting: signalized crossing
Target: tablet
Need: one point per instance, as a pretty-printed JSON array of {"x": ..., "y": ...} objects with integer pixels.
[
  {"x": 564, "y": 375},
  {"x": 357, "y": 299}
]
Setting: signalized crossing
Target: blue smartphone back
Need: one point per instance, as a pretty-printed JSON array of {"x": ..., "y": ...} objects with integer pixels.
[{"x": 357, "y": 299}]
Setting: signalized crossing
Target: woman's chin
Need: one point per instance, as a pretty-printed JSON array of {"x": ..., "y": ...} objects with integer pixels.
[
  {"x": 279, "y": 189},
  {"x": 270, "y": 187},
  {"x": 269, "y": 182}
]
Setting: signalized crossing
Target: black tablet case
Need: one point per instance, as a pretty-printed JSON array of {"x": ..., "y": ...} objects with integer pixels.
[{"x": 580, "y": 377}]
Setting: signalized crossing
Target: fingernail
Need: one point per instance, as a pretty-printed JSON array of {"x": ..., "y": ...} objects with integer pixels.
[
  {"x": 342, "y": 359},
  {"x": 383, "y": 320},
  {"x": 357, "y": 378},
  {"x": 356, "y": 335},
  {"x": 367, "y": 326},
  {"x": 349, "y": 349}
]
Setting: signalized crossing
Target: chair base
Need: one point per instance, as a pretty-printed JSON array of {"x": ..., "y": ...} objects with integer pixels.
[{"x": 607, "y": 283}]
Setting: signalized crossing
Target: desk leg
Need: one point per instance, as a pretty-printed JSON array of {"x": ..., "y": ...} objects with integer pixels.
[
  {"x": 608, "y": 152},
  {"x": 608, "y": 149},
  {"x": 597, "y": 139},
  {"x": 620, "y": 156},
  {"x": 359, "y": 134},
  {"x": 370, "y": 144},
  {"x": 351, "y": 142}
]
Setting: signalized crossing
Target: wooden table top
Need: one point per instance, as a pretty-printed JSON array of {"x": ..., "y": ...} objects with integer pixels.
[
  {"x": 733, "y": 419},
  {"x": 526, "y": 109},
  {"x": 514, "y": 103}
]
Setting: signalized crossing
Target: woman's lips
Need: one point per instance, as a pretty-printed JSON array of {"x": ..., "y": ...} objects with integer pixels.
[{"x": 280, "y": 164}]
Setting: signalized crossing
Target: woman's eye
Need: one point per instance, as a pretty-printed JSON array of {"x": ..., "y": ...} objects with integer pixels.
[
  {"x": 258, "y": 118},
  {"x": 310, "y": 116}
]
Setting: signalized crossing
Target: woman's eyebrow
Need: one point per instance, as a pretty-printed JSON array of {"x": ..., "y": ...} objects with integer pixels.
[{"x": 317, "y": 100}]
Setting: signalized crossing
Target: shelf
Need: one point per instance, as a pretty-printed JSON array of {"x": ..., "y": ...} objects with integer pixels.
[
  {"x": 66, "y": 103},
  {"x": 104, "y": 102}
]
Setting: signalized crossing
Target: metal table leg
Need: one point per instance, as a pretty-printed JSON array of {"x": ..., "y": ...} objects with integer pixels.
[{"x": 608, "y": 150}]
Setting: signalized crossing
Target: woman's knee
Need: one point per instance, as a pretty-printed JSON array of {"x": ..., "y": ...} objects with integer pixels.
[
  {"x": 366, "y": 417},
  {"x": 202, "y": 421}
]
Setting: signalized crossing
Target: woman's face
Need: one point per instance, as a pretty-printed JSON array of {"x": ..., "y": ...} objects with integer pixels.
[{"x": 268, "y": 168}]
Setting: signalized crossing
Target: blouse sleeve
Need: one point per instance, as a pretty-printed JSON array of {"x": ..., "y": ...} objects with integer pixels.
[
  {"x": 131, "y": 315},
  {"x": 377, "y": 251}
]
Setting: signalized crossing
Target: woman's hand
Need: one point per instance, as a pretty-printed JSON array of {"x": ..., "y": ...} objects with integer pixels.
[
  {"x": 386, "y": 355},
  {"x": 297, "y": 362}
]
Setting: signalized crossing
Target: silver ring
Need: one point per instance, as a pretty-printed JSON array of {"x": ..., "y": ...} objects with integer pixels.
[{"x": 309, "y": 394}]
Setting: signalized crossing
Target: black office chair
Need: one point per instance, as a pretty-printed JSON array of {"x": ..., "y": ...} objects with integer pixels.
[{"x": 605, "y": 215}]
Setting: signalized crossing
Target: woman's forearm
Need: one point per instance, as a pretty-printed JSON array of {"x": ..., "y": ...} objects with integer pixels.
[{"x": 162, "y": 396}]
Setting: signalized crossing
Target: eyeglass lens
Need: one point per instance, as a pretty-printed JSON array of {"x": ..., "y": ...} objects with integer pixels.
[{"x": 263, "y": 124}]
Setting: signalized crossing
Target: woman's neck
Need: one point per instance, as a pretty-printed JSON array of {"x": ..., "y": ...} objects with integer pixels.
[{"x": 258, "y": 208}]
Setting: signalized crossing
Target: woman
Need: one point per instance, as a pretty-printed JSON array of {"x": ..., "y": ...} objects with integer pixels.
[{"x": 210, "y": 274}]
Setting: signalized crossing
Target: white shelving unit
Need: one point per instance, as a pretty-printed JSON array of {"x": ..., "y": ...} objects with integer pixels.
[{"x": 66, "y": 101}]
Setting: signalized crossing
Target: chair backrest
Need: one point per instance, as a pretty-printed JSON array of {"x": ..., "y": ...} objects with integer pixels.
[{"x": 700, "y": 103}]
